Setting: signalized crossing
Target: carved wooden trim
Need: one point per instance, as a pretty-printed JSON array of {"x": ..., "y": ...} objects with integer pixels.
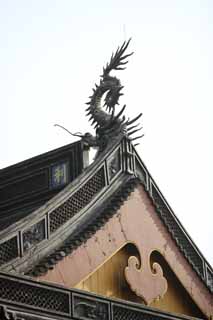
[{"x": 146, "y": 281}]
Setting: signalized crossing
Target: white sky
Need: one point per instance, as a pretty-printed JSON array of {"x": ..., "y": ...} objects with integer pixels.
[{"x": 52, "y": 52}]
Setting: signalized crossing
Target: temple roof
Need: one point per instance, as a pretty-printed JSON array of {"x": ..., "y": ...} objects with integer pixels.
[
  {"x": 21, "y": 298},
  {"x": 27, "y": 185},
  {"x": 75, "y": 213},
  {"x": 52, "y": 204}
]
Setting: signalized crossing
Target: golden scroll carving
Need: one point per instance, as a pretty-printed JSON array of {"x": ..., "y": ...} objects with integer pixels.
[{"x": 145, "y": 280}]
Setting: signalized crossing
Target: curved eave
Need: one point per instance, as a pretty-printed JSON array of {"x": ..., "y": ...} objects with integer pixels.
[
  {"x": 77, "y": 212},
  {"x": 82, "y": 194},
  {"x": 174, "y": 226}
]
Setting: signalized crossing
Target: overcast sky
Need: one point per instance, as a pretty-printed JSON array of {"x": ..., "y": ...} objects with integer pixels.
[{"x": 52, "y": 52}]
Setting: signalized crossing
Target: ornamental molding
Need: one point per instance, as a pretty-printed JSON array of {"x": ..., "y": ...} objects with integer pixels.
[
  {"x": 47, "y": 228},
  {"x": 102, "y": 110},
  {"x": 145, "y": 280},
  {"x": 45, "y": 301}
]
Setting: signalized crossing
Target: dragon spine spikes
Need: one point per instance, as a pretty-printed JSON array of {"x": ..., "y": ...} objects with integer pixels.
[{"x": 107, "y": 123}]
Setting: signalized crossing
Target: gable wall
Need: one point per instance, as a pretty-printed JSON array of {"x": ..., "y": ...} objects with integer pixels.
[
  {"x": 135, "y": 222},
  {"x": 109, "y": 280}
]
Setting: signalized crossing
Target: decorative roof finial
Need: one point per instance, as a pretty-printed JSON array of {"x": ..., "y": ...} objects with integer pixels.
[{"x": 107, "y": 124}]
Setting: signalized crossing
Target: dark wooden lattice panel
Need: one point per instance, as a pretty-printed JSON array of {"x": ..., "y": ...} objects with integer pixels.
[
  {"x": 77, "y": 201},
  {"x": 27, "y": 185},
  {"x": 8, "y": 250},
  {"x": 122, "y": 313},
  {"x": 39, "y": 297},
  {"x": 184, "y": 244}
]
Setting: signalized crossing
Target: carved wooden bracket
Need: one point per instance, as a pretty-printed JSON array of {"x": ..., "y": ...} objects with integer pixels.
[{"x": 146, "y": 281}]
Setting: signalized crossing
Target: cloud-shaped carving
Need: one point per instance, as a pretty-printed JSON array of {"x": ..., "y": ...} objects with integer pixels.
[{"x": 143, "y": 281}]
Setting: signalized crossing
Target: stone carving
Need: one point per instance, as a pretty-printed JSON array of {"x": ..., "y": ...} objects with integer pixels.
[
  {"x": 108, "y": 125},
  {"x": 33, "y": 235},
  {"x": 90, "y": 310},
  {"x": 146, "y": 281}
]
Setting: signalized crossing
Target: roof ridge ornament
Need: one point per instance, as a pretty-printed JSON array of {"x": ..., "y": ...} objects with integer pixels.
[{"x": 109, "y": 125}]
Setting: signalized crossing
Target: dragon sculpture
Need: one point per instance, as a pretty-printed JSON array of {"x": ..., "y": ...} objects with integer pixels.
[{"x": 109, "y": 125}]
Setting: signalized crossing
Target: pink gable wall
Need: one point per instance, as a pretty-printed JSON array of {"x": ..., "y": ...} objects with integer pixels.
[{"x": 135, "y": 222}]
